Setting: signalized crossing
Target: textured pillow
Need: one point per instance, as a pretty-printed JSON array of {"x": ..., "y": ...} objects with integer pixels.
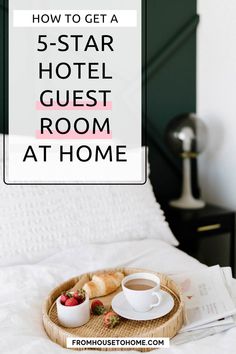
[{"x": 36, "y": 221}]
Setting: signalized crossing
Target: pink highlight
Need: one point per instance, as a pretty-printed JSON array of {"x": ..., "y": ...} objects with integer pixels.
[
  {"x": 70, "y": 107},
  {"x": 73, "y": 135}
]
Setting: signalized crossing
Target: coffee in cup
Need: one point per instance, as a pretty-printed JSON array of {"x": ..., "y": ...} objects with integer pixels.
[{"x": 142, "y": 291}]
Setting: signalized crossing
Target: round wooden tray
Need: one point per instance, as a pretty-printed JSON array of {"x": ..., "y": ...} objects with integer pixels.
[{"x": 166, "y": 326}]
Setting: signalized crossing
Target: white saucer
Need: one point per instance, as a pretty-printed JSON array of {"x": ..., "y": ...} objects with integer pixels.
[{"x": 121, "y": 306}]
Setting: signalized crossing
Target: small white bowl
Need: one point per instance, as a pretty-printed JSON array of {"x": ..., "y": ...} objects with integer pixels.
[{"x": 73, "y": 316}]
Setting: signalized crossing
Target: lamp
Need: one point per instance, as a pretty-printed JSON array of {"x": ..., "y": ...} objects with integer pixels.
[{"x": 186, "y": 136}]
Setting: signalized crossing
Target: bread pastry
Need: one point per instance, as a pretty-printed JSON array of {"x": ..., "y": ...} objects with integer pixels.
[{"x": 103, "y": 284}]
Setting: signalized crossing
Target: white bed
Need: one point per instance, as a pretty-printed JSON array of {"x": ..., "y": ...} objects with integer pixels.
[
  {"x": 21, "y": 329},
  {"x": 51, "y": 233}
]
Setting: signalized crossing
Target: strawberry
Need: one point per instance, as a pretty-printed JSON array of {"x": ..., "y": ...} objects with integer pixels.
[
  {"x": 79, "y": 295},
  {"x": 64, "y": 297},
  {"x": 71, "y": 302},
  {"x": 97, "y": 307},
  {"x": 111, "y": 319}
]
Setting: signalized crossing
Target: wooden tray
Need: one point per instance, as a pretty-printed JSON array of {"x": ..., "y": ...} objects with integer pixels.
[{"x": 166, "y": 326}]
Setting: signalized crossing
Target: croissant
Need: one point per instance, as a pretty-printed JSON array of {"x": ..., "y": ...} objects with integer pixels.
[{"x": 103, "y": 284}]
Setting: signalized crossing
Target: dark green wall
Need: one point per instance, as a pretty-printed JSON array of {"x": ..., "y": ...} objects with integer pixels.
[{"x": 171, "y": 89}]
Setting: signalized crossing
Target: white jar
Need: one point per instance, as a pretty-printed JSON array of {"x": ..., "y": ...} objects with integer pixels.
[{"x": 73, "y": 316}]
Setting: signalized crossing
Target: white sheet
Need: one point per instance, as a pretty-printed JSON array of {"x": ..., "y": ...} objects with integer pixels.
[{"x": 24, "y": 287}]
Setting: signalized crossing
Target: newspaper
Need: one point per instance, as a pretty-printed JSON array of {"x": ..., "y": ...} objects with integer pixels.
[
  {"x": 208, "y": 299},
  {"x": 227, "y": 274}
]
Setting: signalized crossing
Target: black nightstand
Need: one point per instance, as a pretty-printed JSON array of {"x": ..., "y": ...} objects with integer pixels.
[{"x": 207, "y": 234}]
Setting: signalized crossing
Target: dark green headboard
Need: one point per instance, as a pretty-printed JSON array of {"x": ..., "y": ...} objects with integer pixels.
[{"x": 171, "y": 85}]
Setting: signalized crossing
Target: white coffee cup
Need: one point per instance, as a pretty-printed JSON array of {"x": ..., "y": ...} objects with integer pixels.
[{"x": 142, "y": 300}]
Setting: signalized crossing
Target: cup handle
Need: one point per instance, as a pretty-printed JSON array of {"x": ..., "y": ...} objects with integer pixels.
[{"x": 158, "y": 295}]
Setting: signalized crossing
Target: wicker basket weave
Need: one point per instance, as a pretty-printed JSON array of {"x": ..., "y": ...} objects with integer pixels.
[{"x": 166, "y": 326}]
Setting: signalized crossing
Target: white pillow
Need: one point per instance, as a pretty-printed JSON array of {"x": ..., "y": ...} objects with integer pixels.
[{"x": 36, "y": 221}]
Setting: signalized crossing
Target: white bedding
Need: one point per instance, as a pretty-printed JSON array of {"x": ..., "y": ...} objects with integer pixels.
[{"x": 24, "y": 287}]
